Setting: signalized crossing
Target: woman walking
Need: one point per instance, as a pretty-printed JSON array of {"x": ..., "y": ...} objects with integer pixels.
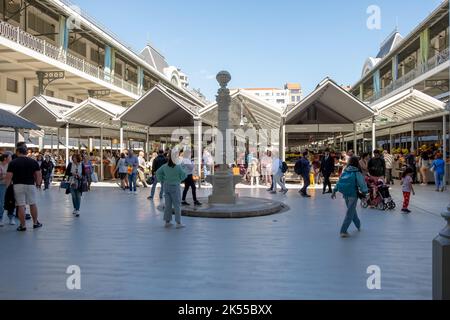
[
  {"x": 364, "y": 164},
  {"x": 424, "y": 165},
  {"x": 438, "y": 168},
  {"x": 123, "y": 171},
  {"x": 75, "y": 172},
  {"x": 88, "y": 170},
  {"x": 350, "y": 184},
  {"x": 5, "y": 159},
  {"x": 171, "y": 175},
  {"x": 188, "y": 167}
]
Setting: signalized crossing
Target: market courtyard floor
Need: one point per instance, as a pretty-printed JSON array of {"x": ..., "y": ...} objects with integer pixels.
[{"x": 124, "y": 252}]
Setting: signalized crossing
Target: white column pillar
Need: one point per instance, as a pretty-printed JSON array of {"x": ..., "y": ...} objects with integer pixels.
[
  {"x": 122, "y": 147},
  {"x": 283, "y": 139},
  {"x": 16, "y": 137},
  {"x": 413, "y": 148},
  {"x": 102, "y": 176},
  {"x": 91, "y": 144},
  {"x": 198, "y": 152},
  {"x": 391, "y": 142},
  {"x": 41, "y": 143},
  {"x": 67, "y": 144},
  {"x": 51, "y": 142},
  {"x": 147, "y": 144},
  {"x": 444, "y": 146},
  {"x": 374, "y": 135},
  {"x": 57, "y": 140},
  {"x": 355, "y": 141}
]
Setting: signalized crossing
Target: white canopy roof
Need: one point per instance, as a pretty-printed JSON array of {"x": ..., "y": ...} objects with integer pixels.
[
  {"x": 94, "y": 112},
  {"x": 334, "y": 105},
  {"x": 162, "y": 107},
  {"x": 46, "y": 111},
  {"x": 257, "y": 111},
  {"x": 409, "y": 105}
]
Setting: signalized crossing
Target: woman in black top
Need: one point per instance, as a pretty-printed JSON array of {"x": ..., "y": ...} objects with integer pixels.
[{"x": 77, "y": 179}]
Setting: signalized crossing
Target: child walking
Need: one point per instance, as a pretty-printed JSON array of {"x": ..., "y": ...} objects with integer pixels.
[{"x": 407, "y": 188}]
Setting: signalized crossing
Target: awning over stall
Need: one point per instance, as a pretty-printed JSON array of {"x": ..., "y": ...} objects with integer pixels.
[
  {"x": 46, "y": 111},
  {"x": 248, "y": 110},
  {"x": 407, "y": 106},
  {"x": 11, "y": 120},
  {"x": 162, "y": 107},
  {"x": 330, "y": 105}
]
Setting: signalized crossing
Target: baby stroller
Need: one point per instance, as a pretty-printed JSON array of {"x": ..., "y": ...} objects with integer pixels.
[{"x": 378, "y": 196}]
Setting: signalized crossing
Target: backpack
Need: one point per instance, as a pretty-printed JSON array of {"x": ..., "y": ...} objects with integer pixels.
[
  {"x": 347, "y": 183},
  {"x": 298, "y": 168},
  {"x": 284, "y": 167}
]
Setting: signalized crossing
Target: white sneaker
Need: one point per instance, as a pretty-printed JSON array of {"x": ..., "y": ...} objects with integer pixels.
[
  {"x": 77, "y": 213},
  {"x": 12, "y": 221},
  {"x": 180, "y": 226},
  {"x": 1, "y": 224},
  {"x": 168, "y": 225},
  {"x": 74, "y": 212}
]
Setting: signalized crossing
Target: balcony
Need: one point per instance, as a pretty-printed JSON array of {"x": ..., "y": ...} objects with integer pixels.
[
  {"x": 421, "y": 69},
  {"x": 47, "y": 49}
]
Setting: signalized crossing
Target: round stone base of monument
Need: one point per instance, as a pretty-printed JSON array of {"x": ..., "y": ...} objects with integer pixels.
[{"x": 245, "y": 207}]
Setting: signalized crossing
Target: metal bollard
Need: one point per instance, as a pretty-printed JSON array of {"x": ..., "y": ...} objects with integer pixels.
[{"x": 441, "y": 261}]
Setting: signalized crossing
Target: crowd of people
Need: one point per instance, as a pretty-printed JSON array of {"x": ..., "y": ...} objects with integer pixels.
[{"x": 357, "y": 177}]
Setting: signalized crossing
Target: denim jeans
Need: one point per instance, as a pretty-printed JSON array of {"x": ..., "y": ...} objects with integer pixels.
[
  {"x": 76, "y": 198},
  {"x": 352, "y": 215},
  {"x": 172, "y": 194},
  {"x": 132, "y": 181},
  {"x": 278, "y": 180},
  {"x": 189, "y": 182},
  {"x": 439, "y": 180},
  {"x": 306, "y": 183},
  {"x": 2, "y": 200},
  {"x": 161, "y": 192}
]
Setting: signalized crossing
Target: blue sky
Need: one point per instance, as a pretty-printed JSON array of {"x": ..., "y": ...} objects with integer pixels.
[{"x": 261, "y": 43}]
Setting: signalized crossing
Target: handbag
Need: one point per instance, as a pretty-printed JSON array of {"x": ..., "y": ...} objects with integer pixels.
[
  {"x": 64, "y": 185},
  {"x": 359, "y": 194}
]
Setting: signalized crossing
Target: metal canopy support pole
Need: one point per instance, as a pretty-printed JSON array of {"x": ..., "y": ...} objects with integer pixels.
[
  {"x": 51, "y": 141},
  {"x": 391, "y": 142},
  {"x": 413, "y": 147},
  {"x": 374, "y": 135},
  {"x": 67, "y": 144},
  {"x": 444, "y": 146},
  {"x": 198, "y": 148},
  {"x": 355, "y": 141},
  {"x": 16, "y": 136},
  {"x": 121, "y": 138},
  {"x": 101, "y": 155},
  {"x": 283, "y": 139},
  {"x": 57, "y": 141},
  {"x": 147, "y": 144}
]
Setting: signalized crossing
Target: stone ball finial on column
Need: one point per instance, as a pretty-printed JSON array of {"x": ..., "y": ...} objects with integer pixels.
[{"x": 223, "y": 77}]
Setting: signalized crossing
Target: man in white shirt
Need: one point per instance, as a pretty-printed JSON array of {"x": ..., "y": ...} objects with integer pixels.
[{"x": 277, "y": 174}]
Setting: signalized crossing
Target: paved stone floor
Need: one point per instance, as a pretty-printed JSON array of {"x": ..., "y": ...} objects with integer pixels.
[{"x": 125, "y": 253}]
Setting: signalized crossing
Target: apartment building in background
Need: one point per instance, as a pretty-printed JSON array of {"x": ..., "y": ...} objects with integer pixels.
[{"x": 291, "y": 93}]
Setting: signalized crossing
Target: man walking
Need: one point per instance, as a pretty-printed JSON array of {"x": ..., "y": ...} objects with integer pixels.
[
  {"x": 158, "y": 162},
  {"x": 25, "y": 174},
  {"x": 389, "y": 162},
  {"x": 327, "y": 168},
  {"x": 277, "y": 175},
  {"x": 303, "y": 168},
  {"x": 132, "y": 163},
  {"x": 376, "y": 165}
]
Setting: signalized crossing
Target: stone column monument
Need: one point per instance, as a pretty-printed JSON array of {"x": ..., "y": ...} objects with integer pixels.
[
  {"x": 441, "y": 261},
  {"x": 223, "y": 180}
]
